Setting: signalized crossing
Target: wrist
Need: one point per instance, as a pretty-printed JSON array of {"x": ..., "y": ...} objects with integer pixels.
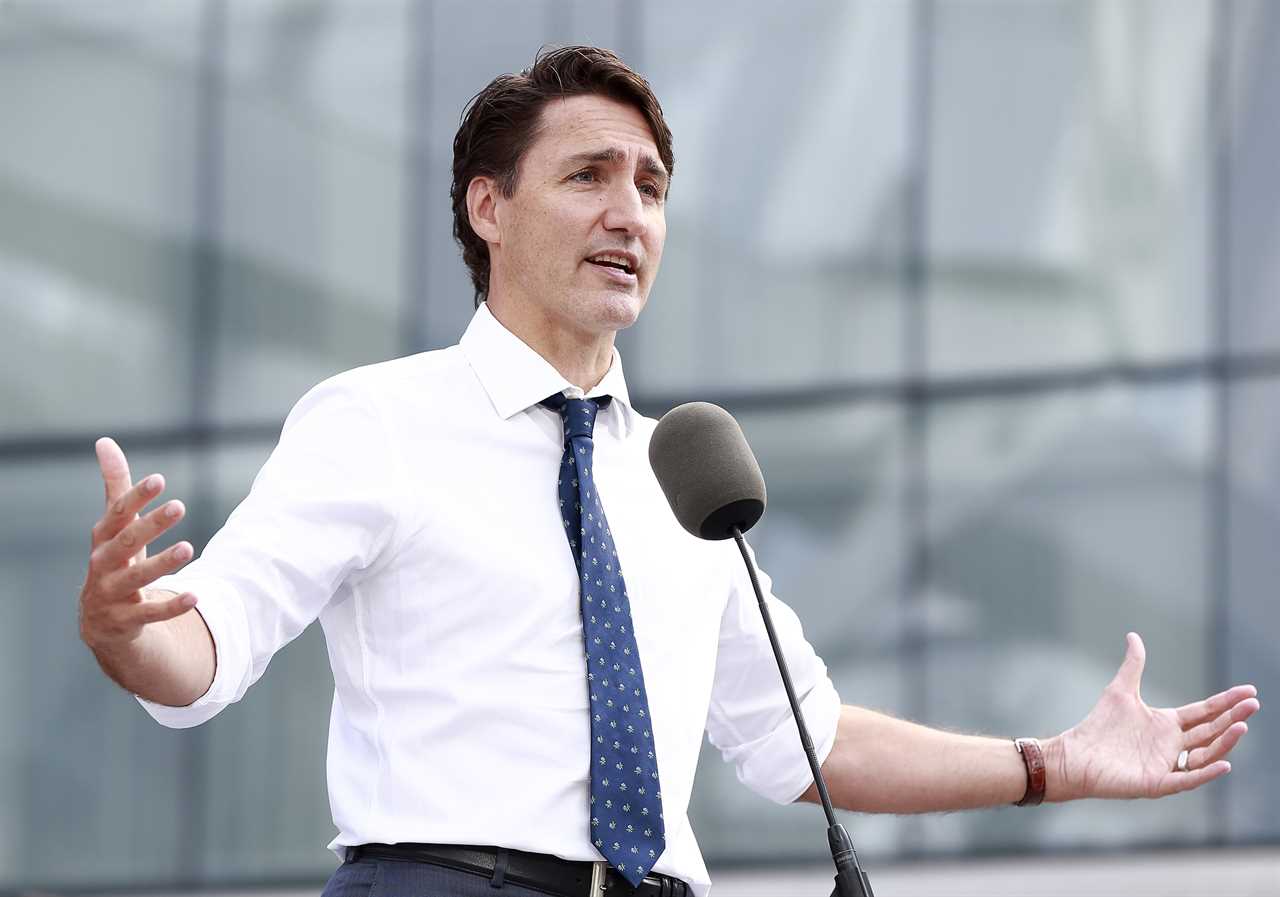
[
  {"x": 1033, "y": 764},
  {"x": 1055, "y": 765}
]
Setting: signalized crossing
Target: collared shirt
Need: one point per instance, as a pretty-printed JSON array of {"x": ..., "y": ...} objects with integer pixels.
[{"x": 411, "y": 505}]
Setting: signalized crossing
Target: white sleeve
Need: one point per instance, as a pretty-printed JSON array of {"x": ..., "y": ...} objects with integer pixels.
[
  {"x": 749, "y": 719},
  {"x": 321, "y": 509}
]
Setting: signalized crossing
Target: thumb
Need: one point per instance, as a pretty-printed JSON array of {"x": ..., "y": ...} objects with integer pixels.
[
  {"x": 1129, "y": 676},
  {"x": 114, "y": 466}
]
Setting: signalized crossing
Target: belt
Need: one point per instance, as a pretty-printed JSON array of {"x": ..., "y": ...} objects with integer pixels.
[{"x": 568, "y": 878}]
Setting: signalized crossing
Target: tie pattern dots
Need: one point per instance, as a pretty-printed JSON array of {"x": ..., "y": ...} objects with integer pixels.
[{"x": 626, "y": 800}]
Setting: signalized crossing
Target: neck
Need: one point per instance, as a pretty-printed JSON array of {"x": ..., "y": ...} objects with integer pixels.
[{"x": 581, "y": 357}]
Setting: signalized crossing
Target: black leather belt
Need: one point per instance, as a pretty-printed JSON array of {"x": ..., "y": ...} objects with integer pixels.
[{"x": 565, "y": 878}]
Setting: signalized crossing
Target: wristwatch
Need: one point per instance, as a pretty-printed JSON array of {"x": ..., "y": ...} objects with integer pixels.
[{"x": 1033, "y": 757}]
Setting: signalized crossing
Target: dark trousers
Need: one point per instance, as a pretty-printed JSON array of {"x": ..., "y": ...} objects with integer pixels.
[{"x": 390, "y": 878}]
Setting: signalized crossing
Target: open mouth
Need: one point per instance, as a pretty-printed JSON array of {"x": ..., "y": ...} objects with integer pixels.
[{"x": 615, "y": 262}]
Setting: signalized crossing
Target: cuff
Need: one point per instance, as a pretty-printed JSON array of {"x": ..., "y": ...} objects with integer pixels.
[
  {"x": 776, "y": 767},
  {"x": 225, "y": 618}
]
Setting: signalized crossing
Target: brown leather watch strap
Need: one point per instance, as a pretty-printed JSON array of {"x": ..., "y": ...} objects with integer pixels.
[{"x": 1033, "y": 757}]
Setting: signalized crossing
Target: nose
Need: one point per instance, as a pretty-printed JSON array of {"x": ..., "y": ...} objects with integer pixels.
[{"x": 624, "y": 210}]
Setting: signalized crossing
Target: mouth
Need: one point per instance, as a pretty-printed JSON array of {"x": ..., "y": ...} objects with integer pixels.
[{"x": 618, "y": 266}]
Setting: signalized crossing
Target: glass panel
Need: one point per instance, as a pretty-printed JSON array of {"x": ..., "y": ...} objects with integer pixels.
[
  {"x": 1058, "y": 523},
  {"x": 1068, "y": 184},
  {"x": 785, "y": 223},
  {"x": 312, "y": 185},
  {"x": 81, "y": 763},
  {"x": 831, "y": 540},
  {"x": 1253, "y": 527},
  {"x": 1254, "y": 226},
  {"x": 95, "y": 221}
]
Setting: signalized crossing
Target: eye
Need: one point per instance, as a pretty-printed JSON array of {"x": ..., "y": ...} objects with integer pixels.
[
  {"x": 654, "y": 190},
  {"x": 583, "y": 177}
]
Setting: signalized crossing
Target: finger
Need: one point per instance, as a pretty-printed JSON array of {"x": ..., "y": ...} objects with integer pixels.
[
  {"x": 121, "y": 512},
  {"x": 1129, "y": 676},
  {"x": 156, "y": 611},
  {"x": 1220, "y": 747},
  {"x": 1206, "y": 732},
  {"x": 1177, "y": 782},
  {"x": 136, "y": 536},
  {"x": 114, "y": 467},
  {"x": 1199, "y": 711},
  {"x": 125, "y": 583}
]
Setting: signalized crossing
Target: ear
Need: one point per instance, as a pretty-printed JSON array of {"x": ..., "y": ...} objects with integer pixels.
[{"x": 482, "y": 208}]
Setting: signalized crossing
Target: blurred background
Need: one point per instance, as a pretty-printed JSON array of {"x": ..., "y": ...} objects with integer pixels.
[{"x": 991, "y": 286}]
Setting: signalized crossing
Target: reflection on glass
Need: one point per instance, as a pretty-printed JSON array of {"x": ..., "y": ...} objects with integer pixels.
[
  {"x": 80, "y": 762},
  {"x": 1068, "y": 184},
  {"x": 1254, "y": 144},
  {"x": 1253, "y": 527},
  {"x": 95, "y": 222},
  {"x": 784, "y": 224},
  {"x": 313, "y": 186},
  {"x": 1056, "y": 525}
]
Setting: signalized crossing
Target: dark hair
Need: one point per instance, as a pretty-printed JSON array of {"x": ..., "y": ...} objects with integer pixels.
[{"x": 500, "y": 123}]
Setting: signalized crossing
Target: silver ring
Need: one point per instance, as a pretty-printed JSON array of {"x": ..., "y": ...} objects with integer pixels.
[{"x": 1182, "y": 761}]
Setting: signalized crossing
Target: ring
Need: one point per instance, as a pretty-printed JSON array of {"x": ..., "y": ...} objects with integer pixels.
[{"x": 1182, "y": 761}]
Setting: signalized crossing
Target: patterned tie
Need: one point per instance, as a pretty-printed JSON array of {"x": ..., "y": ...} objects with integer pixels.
[{"x": 626, "y": 800}]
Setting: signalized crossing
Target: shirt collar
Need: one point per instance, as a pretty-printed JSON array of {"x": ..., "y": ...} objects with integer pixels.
[{"x": 516, "y": 377}]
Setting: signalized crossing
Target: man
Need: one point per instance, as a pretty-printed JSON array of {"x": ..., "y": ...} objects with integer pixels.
[{"x": 520, "y": 696}]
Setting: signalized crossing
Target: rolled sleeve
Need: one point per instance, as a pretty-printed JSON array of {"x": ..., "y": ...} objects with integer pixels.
[
  {"x": 749, "y": 718},
  {"x": 224, "y": 616},
  {"x": 321, "y": 509}
]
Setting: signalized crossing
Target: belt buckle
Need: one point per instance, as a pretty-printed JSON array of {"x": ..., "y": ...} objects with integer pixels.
[{"x": 599, "y": 870}]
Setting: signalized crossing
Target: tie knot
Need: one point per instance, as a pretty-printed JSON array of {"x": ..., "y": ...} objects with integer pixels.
[{"x": 579, "y": 415}]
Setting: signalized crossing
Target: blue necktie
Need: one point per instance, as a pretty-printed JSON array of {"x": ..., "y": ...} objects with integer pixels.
[{"x": 626, "y": 800}]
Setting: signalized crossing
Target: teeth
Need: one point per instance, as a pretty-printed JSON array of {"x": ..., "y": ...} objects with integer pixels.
[{"x": 612, "y": 259}]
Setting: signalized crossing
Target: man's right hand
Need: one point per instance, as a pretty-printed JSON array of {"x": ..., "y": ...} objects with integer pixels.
[{"x": 114, "y": 606}]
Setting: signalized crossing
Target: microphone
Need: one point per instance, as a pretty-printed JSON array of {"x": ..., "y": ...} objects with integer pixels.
[
  {"x": 706, "y": 469},
  {"x": 715, "y": 488}
]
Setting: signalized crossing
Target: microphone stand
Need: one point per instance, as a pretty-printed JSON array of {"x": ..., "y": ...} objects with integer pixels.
[{"x": 851, "y": 881}]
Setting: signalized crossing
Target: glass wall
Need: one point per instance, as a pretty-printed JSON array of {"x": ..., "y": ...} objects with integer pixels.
[{"x": 990, "y": 286}]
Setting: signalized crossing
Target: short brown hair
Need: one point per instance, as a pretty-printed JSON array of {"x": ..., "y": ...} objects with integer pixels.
[{"x": 500, "y": 123}]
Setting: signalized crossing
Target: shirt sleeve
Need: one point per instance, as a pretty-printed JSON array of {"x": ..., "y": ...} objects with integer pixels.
[
  {"x": 749, "y": 718},
  {"x": 320, "y": 510}
]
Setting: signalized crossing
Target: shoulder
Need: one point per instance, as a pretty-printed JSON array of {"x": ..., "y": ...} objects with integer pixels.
[
  {"x": 418, "y": 375},
  {"x": 380, "y": 389},
  {"x": 412, "y": 371}
]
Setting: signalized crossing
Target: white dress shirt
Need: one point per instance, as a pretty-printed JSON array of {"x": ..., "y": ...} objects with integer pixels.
[{"x": 411, "y": 505}]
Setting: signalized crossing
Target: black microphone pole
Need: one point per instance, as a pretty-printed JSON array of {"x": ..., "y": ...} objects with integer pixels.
[{"x": 851, "y": 881}]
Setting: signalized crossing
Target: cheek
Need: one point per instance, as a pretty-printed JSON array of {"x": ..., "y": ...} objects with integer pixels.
[{"x": 656, "y": 239}]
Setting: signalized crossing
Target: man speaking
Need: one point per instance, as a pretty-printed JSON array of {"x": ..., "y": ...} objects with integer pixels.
[{"x": 526, "y": 646}]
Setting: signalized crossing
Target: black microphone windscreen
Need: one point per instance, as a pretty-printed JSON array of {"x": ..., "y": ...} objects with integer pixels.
[{"x": 707, "y": 471}]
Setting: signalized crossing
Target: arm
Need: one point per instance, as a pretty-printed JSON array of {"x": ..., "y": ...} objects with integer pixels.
[
  {"x": 884, "y": 765},
  {"x": 170, "y": 662},
  {"x": 322, "y": 507},
  {"x": 1122, "y": 749}
]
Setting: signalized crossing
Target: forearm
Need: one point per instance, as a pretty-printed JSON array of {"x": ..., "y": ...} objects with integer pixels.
[
  {"x": 884, "y": 765},
  {"x": 171, "y": 663}
]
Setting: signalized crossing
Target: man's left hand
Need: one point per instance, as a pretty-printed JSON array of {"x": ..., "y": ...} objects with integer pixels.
[{"x": 1125, "y": 749}]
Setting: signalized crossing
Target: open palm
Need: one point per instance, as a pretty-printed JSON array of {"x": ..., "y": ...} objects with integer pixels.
[{"x": 1126, "y": 749}]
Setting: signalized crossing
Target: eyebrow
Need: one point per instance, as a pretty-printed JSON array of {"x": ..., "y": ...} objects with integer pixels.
[{"x": 615, "y": 156}]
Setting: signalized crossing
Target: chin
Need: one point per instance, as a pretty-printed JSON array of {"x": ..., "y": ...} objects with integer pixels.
[{"x": 612, "y": 310}]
